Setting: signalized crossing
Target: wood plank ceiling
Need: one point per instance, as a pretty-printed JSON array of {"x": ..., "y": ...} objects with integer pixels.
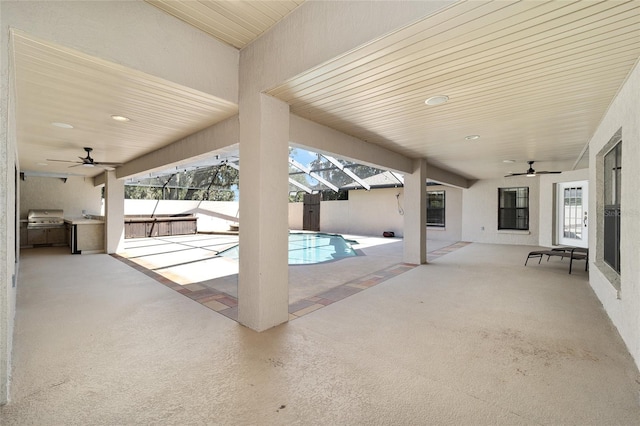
[
  {"x": 58, "y": 84},
  {"x": 532, "y": 79},
  {"x": 235, "y": 22}
]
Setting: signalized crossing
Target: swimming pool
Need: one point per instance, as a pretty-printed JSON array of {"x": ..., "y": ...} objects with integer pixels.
[{"x": 306, "y": 248}]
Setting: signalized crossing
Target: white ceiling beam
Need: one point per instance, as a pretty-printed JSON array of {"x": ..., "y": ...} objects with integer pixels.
[
  {"x": 319, "y": 138},
  {"x": 446, "y": 177},
  {"x": 314, "y": 175},
  {"x": 348, "y": 172},
  {"x": 220, "y": 136}
]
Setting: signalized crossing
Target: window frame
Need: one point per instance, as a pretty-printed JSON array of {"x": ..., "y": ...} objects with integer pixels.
[
  {"x": 443, "y": 209},
  {"x": 501, "y": 225},
  {"x": 611, "y": 207}
]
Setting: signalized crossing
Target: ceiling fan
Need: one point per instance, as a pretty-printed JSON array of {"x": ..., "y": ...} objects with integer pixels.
[
  {"x": 89, "y": 162},
  {"x": 531, "y": 172}
]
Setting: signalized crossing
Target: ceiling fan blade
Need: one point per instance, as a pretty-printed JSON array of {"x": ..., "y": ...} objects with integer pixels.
[
  {"x": 547, "y": 173},
  {"x": 64, "y": 161},
  {"x": 78, "y": 165},
  {"x": 515, "y": 174},
  {"x": 106, "y": 163}
]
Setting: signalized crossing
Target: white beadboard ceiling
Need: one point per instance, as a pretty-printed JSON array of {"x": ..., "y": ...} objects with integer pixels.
[
  {"x": 532, "y": 79},
  {"x": 58, "y": 84},
  {"x": 234, "y": 22}
]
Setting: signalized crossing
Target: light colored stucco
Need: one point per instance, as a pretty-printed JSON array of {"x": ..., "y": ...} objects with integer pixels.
[
  {"x": 9, "y": 192},
  {"x": 114, "y": 213},
  {"x": 263, "y": 273},
  {"x": 378, "y": 210},
  {"x": 369, "y": 213},
  {"x": 624, "y": 306},
  {"x": 480, "y": 212},
  {"x": 452, "y": 230},
  {"x": 74, "y": 196}
]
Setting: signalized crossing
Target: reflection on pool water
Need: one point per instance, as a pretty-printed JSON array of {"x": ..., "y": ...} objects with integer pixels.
[{"x": 307, "y": 248}]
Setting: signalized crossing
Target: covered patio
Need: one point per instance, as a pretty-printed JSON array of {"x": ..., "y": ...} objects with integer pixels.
[{"x": 472, "y": 338}]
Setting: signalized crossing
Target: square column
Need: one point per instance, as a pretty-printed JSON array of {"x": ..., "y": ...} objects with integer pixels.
[
  {"x": 263, "y": 279},
  {"x": 113, "y": 212},
  {"x": 415, "y": 214}
]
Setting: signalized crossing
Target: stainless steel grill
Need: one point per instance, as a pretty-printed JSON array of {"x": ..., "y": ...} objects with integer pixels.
[{"x": 39, "y": 219}]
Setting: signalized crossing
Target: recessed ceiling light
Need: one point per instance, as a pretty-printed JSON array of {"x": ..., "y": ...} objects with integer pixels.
[
  {"x": 42, "y": 164},
  {"x": 509, "y": 161},
  {"x": 472, "y": 137},
  {"x": 436, "y": 100},
  {"x": 62, "y": 125},
  {"x": 120, "y": 118}
]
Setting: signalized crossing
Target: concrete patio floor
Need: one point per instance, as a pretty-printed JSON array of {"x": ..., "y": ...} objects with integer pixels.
[{"x": 472, "y": 338}]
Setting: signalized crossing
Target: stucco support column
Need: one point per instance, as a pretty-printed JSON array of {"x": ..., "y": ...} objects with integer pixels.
[
  {"x": 263, "y": 281},
  {"x": 415, "y": 214},
  {"x": 113, "y": 212}
]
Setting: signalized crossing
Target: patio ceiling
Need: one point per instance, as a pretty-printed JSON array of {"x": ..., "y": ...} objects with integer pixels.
[{"x": 531, "y": 79}]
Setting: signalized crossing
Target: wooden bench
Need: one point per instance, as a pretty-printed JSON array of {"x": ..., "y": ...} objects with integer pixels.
[{"x": 573, "y": 253}]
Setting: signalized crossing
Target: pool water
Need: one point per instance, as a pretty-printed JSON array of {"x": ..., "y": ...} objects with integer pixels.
[{"x": 307, "y": 248}]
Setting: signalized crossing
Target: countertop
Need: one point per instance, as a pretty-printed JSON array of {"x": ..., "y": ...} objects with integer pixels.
[{"x": 82, "y": 221}]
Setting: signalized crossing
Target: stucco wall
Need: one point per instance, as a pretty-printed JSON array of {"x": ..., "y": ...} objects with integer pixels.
[
  {"x": 373, "y": 212},
  {"x": 622, "y": 306},
  {"x": 74, "y": 196},
  {"x": 8, "y": 224},
  {"x": 480, "y": 212},
  {"x": 547, "y": 229},
  {"x": 452, "y": 230}
]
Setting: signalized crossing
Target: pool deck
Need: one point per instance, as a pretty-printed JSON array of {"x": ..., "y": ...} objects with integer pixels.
[{"x": 192, "y": 266}]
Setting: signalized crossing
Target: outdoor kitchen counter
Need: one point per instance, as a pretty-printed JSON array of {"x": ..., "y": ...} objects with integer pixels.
[
  {"x": 85, "y": 235},
  {"x": 82, "y": 221}
]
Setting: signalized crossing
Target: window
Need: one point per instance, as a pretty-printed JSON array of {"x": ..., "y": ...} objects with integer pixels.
[
  {"x": 435, "y": 208},
  {"x": 513, "y": 208},
  {"x": 612, "y": 192}
]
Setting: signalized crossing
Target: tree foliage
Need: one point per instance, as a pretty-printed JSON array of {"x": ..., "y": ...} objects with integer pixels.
[{"x": 215, "y": 183}]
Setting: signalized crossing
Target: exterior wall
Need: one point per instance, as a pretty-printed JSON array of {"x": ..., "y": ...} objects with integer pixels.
[
  {"x": 623, "y": 305},
  {"x": 9, "y": 232},
  {"x": 480, "y": 212},
  {"x": 452, "y": 230},
  {"x": 373, "y": 212},
  {"x": 548, "y": 212},
  {"x": 296, "y": 212},
  {"x": 335, "y": 217},
  {"x": 74, "y": 196}
]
